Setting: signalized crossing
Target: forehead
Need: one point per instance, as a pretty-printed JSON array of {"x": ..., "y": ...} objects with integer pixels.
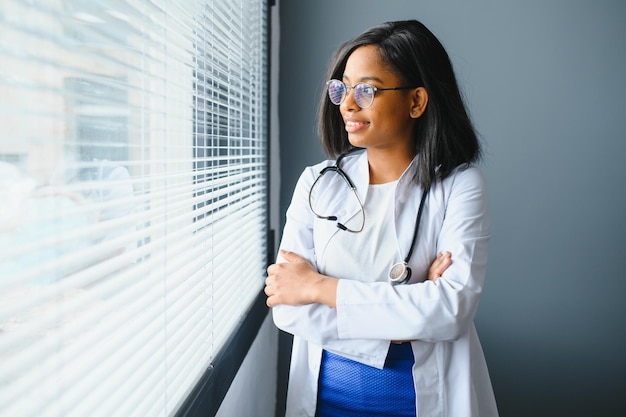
[{"x": 365, "y": 63}]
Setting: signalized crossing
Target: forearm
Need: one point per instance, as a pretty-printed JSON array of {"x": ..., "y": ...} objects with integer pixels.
[
  {"x": 325, "y": 291},
  {"x": 428, "y": 311}
]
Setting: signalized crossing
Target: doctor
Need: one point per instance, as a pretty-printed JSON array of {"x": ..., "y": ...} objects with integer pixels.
[{"x": 381, "y": 312}]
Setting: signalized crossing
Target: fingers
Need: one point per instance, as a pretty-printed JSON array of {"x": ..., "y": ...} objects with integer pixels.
[
  {"x": 279, "y": 284},
  {"x": 272, "y": 284},
  {"x": 439, "y": 265},
  {"x": 291, "y": 257},
  {"x": 269, "y": 291},
  {"x": 274, "y": 269},
  {"x": 268, "y": 300},
  {"x": 444, "y": 260}
]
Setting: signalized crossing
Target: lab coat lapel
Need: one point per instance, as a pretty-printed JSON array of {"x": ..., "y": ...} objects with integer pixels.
[
  {"x": 408, "y": 195},
  {"x": 358, "y": 170}
]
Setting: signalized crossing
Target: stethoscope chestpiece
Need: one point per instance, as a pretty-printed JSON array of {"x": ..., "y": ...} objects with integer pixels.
[{"x": 399, "y": 273}]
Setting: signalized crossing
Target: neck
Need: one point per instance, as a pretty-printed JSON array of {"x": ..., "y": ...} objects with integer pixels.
[{"x": 386, "y": 167}]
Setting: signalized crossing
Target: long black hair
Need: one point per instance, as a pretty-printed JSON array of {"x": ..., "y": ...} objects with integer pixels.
[{"x": 444, "y": 135}]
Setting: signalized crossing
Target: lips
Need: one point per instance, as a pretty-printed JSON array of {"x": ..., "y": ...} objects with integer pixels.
[{"x": 354, "y": 125}]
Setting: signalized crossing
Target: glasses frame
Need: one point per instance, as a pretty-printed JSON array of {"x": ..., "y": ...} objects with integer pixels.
[{"x": 347, "y": 88}]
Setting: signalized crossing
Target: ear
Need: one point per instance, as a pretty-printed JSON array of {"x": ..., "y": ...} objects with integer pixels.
[{"x": 419, "y": 102}]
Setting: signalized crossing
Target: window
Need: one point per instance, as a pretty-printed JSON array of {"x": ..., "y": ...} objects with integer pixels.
[{"x": 133, "y": 181}]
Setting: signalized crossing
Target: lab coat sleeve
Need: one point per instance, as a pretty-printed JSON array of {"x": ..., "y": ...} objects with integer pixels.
[
  {"x": 313, "y": 322},
  {"x": 428, "y": 311}
]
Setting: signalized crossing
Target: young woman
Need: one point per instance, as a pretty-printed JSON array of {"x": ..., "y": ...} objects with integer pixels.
[{"x": 381, "y": 312}]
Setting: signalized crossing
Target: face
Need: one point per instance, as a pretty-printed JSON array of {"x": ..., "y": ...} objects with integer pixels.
[{"x": 387, "y": 123}]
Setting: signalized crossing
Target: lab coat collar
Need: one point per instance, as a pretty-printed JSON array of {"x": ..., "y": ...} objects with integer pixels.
[
  {"x": 336, "y": 200},
  {"x": 357, "y": 167}
]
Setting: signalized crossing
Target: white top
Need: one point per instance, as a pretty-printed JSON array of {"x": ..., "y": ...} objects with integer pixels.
[
  {"x": 450, "y": 374},
  {"x": 375, "y": 258}
]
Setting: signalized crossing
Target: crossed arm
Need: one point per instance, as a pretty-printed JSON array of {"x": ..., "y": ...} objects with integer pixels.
[{"x": 297, "y": 282}]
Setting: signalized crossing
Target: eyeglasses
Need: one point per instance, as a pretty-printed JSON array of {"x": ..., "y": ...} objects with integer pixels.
[{"x": 363, "y": 92}]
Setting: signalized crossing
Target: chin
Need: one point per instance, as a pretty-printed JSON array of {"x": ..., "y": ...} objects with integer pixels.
[{"x": 356, "y": 141}]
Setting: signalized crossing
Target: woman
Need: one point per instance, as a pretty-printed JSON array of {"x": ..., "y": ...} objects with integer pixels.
[{"x": 382, "y": 317}]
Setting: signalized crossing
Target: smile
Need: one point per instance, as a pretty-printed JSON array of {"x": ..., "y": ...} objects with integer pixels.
[{"x": 353, "y": 126}]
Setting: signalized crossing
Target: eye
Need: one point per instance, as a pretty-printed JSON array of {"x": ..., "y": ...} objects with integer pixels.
[
  {"x": 366, "y": 89},
  {"x": 336, "y": 91}
]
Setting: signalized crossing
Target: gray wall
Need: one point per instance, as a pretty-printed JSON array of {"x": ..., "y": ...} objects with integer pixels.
[{"x": 545, "y": 84}]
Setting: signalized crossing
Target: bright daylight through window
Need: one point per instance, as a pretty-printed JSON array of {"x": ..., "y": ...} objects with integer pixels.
[{"x": 133, "y": 189}]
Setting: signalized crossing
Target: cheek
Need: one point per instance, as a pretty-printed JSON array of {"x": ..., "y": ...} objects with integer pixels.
[{"x": 393, "y": 118}]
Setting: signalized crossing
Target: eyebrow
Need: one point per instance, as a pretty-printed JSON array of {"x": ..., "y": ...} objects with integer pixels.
[{"x": 364, "y": 79}]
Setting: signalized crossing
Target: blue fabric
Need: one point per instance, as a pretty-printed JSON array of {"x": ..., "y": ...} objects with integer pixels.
[{"x": 351, "y": 389}]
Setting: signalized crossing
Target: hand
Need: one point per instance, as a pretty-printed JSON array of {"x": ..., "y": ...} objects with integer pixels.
[
  {"x": 297, "y": 282},
  {"x": 439, "y": 265}
]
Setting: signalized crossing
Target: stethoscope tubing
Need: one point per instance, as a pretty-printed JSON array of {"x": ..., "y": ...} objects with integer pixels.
[{"x": 399, "y": 273}]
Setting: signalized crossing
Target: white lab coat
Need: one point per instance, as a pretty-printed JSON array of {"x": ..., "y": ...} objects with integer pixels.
[{"x": 450, "y": 374}]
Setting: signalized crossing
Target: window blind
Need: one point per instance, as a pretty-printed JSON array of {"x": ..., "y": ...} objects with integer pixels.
[{"x": 133, "y": 190}]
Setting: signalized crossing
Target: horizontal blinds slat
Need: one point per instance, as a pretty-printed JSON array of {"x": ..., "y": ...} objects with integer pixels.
[
  {"x": 91, "y": 254},
  {"x": 228, "y": 240},
  {"x": 228, "y": 313},
  {"x": 226, "y": 205},
  {"x": 135, "y": 168}
]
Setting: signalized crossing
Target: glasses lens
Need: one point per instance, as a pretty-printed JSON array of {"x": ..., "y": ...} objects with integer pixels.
[
  {"x": 336, "y": 91},
  {"x": 363, "y": 95}
]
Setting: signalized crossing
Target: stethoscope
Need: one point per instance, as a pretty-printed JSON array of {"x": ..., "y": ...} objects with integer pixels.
[{"x": 400, "y": 272}]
